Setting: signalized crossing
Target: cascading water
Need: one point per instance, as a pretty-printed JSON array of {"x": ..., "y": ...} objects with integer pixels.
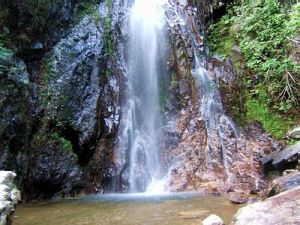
[
  {"x": 219, "y": 127},
  {"x": 138, "y": 154},
  {"x": 141, "y": 119},
  {"x": 212, "y": 111}
]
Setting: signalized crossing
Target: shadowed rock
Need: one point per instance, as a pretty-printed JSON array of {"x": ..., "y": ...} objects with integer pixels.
[{"x": 286, "y": 156}]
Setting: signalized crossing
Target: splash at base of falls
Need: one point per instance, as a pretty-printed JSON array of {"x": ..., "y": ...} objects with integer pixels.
[{"x": 158, "y": 186}]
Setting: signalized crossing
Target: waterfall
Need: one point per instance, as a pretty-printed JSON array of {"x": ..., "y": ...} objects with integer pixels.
[
  {"x": 140, "y": 125},
  {"x": 213, "y": 113}
]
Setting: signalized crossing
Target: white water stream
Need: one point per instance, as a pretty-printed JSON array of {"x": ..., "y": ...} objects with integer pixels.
[{"x": 141, "y": 117}]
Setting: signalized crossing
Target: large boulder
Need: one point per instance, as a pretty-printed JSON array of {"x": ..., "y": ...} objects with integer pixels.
[
  {"x": 288, "y": 155},
  {"x": 9, "y": 196},
  {"x": 280, "y": 209}
]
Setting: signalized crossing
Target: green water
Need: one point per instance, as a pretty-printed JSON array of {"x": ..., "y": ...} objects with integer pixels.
[{"x": 125, "y": 210}]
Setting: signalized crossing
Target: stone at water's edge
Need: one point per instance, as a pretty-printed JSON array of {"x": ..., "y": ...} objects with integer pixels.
[
  {"x": 238, "y": 197},
  {"x": 286, "y": 182},
  {"x": 286, "y": 156},
  {"x": 9, "y": 196},
  {"x": 281, "y": 209},
  {"x": 213, "y": 220}
]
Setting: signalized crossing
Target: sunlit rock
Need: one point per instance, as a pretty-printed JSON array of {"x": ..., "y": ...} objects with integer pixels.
[
  {"x": 213, "y": 220},
  {"x": 9, "y": 196},
  {"x": 280, "y": 209}
]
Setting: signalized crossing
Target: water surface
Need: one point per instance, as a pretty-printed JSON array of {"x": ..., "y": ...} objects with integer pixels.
[{"x": 126, "y": 209}]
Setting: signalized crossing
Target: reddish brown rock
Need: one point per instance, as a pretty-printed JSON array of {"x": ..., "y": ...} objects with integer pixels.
[
  {"x": 281, "y": 209},
  {"x": 204, "y": 170},
  {"x": 213, "y": 154},
  {"x": 238, "y": 197}
]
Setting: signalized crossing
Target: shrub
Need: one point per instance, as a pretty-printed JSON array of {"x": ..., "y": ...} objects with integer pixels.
[{"x": 264, "y": 31}]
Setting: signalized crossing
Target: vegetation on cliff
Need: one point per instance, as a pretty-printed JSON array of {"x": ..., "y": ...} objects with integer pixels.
[{"x": 265, "y": 32}]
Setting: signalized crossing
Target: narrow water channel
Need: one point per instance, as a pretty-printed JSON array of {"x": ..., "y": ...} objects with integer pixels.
[{"x": 126, "y": 209}]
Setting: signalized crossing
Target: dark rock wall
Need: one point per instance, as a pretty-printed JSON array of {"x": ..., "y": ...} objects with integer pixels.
[
  {"x": 210, "y": 11},
  {"x": 59, "y": 109},
  {"x": 37, "y": 25}
]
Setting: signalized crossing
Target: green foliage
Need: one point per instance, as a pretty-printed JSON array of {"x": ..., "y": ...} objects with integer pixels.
[
  {"x": 107, "y": 36},
  {"x": 264, "y": 41},
  {"x": 108, "y": 45},
  {"x": 66, "y": 144},
  {"x": 47, "y": 71},
  {"x": 174, "y": 81},
  {"x": 88, "y": 8},
  {"x": 257, "y": 109},
  {"x": 6, "y": 56},
  {"x": 221, "y": 39},
  {"x": 264, "y": 31},
  {"x": 108, "y": 3},
  {"x": 292, "y": 142}
]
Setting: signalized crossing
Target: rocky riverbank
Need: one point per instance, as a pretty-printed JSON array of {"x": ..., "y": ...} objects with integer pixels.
[
  {"x": 9, "y": 196},
  {"x": 280, "y": 209}
]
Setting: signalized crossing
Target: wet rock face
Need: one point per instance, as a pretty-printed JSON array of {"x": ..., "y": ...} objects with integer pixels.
[
  {"x": 280, "y": 209},
  {"x": 72, "y": 85},
  {"x": 201, "y": 166},
  {"x": 15, "y": 118},
  {"x": 37, "y": 26},
  {"x": 60, "y": 119},
  {"x": 210, "y": 10},
  {"x": 213, "y": 155},
  {"x": 53, "y": 169},
  {"x": 230, "y": 83}
]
